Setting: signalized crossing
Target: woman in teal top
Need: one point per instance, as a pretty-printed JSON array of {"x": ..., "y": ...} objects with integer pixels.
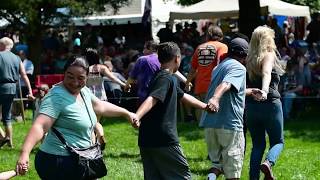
[{"x": 64, "y": 108}]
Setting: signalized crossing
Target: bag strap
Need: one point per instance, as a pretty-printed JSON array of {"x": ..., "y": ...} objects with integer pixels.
[
  {"x": 62, "y": 139},
  {"x": 84, "y": 101}
]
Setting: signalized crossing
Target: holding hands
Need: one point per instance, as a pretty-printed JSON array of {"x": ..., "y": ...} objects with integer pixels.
[
  {"x": 213, "y": 104},
  {"x": 133, "y": 119},
  {"x": 22, "y": 164},
  {"x": 259, "y": 95}
]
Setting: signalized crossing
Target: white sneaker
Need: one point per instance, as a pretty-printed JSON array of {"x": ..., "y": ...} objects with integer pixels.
[{"x": 212, "y": 176}]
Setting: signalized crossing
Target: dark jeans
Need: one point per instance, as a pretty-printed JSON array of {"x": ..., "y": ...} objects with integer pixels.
[
  {"x": 54, "y": 167},
  {"x": 264, "y": 117},
  {"x": 6, "y": 101}
]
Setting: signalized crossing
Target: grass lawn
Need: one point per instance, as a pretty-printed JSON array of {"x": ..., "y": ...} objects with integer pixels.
[{"x": 299, "y": 160}]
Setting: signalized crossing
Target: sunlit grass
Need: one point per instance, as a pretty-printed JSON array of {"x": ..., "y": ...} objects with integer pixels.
[{"x": 299, "y": 160}]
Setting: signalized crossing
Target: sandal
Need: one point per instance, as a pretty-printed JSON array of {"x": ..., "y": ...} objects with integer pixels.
[{"x": 3, "y": 142}]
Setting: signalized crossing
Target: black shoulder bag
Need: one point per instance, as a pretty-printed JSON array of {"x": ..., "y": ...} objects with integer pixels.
[{"x": 90, "y": 160}]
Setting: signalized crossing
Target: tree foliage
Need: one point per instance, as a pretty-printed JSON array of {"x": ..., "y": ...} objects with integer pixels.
[
  {"x": 34, "y": 16},
  {"x": 313, "y": 4},
  {"x": 45, "y": 11}
]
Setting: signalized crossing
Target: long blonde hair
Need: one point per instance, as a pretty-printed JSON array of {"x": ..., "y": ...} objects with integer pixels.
[{"x": 261, "y": 43}]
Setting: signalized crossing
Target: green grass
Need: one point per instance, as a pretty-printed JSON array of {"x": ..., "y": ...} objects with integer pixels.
[{"x": 299, "y": 160}]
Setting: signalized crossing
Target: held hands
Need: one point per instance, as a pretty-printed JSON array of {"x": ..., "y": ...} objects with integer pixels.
[
  {"x": 134, "y": 120},
  {"x": 259, "y": 95},
  {"x": 213, "y": 104},
  {"x": 22, "y": 165}
]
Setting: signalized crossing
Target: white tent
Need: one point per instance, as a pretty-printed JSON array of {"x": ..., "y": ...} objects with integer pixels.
[
  {"x": 133, "y": 12},
  {"x": 3, "y": 23},
  {"x": 208, "y": 9}
]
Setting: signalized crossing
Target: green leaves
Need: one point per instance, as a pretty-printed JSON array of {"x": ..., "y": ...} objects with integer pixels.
[
  {"x": 22, "y": 12},
  {"x": 313, "y": 4}
]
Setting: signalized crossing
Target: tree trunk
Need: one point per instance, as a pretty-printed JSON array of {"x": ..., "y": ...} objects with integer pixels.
[
  {"x": 249, "y": 16},
  {"x": 34, "y": 37}
]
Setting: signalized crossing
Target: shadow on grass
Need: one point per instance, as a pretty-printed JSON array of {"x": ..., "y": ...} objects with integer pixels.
[
  {"x": 197, "y": 159},
  {"x": 305, "y": 130},
  {"x": 306, "y": 126},
  {"x": 122, "y": 156},
  {"x": 199, "y": 172},
  {"x": 113, "y": 120},
  {"x": 191, "y": 131}
]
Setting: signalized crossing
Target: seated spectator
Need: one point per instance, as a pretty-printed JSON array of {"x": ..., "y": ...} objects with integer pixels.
[
  {"x": 300, "y": 58},
  {"x": 113, "y": 90},
  {"x": 42, "y": 91},
  {"x": 292, "y": 84}
]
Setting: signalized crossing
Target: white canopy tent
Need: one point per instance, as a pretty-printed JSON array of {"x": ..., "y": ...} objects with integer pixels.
[
  {"x": 208, "y": 9},
  {"x": 133, "y": 12}
]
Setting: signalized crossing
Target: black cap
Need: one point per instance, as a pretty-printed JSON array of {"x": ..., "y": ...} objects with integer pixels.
[{"x": 238, "y": 47}]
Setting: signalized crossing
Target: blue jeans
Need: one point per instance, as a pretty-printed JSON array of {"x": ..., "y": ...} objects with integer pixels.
[
  {"x": 6, "y": 101},
  {"x": 264, "y": 117},
  {"x": 287, "y": 101}
]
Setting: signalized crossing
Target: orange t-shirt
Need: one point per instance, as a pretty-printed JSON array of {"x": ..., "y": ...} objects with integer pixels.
[{"x": 204, "y": 59}]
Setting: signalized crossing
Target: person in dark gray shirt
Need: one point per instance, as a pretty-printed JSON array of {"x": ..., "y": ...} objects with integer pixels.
[{"x": 10, "y": 69}]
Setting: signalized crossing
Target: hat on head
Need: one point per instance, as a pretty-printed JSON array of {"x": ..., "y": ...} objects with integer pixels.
[{"x": 238, "y": 47}]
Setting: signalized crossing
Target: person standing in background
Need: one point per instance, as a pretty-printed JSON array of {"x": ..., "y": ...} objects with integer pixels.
[
  {"x": 10, "y": 69},
  {"x": 29, "y": 68},
  {"x": 144, "y": 69},
  {"x": 204, "y": 60}
]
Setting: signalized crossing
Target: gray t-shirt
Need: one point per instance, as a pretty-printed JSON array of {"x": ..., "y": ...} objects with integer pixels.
[
  {"x": 230, "y": 115},
  {"x": 9, "y": 72}
]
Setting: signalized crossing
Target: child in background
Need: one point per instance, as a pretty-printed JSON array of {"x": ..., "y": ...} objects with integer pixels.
[
  {"x": 42, "y": 91},
  {"x": 160, "y": 150}
]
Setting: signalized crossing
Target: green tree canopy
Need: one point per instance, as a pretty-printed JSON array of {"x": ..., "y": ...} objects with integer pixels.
[
  {"x": 313, "y": 4},
  {"x": 33, "y": 16},
  {"x": 20, "y": 13}
]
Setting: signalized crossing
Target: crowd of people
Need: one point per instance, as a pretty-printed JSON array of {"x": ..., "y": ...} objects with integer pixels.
[{"x": 235, "y": 81}]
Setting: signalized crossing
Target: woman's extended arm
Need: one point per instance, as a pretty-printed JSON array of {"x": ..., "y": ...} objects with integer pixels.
[
  {"x": 107, "y": 109},
  {"x": 41, "y": 125},
  {"x": 267, "y": 65}
]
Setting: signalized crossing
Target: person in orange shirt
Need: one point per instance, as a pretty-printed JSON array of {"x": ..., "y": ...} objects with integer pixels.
[{"x": 204, "y": 60}]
